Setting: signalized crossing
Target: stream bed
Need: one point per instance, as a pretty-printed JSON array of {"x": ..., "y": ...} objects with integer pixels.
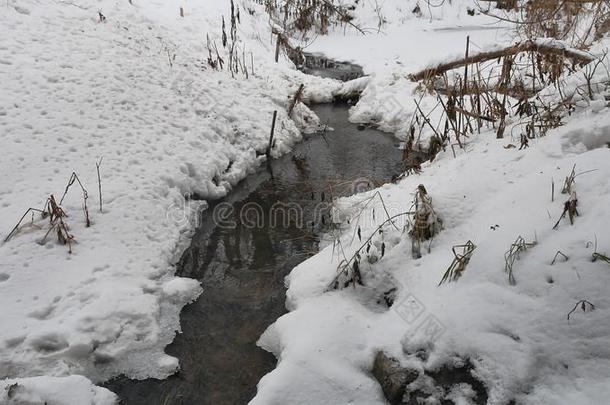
[{"x": 245, "y": 246}]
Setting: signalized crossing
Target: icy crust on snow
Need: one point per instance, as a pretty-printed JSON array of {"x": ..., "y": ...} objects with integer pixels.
[
  {"x": 72, "y": 390},
  {"x": 517, "y": 337},
  {"x": 135, "y": 90}
]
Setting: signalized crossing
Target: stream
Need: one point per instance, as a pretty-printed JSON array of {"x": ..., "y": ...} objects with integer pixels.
[{"x": 245, "y": 247}]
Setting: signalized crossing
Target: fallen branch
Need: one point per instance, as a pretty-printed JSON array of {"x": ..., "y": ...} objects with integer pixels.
[
  {"x": 473, "y": 115},
  {"x": 545, "y": 48}
]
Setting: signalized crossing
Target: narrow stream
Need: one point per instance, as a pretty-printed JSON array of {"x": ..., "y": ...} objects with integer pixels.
[{"x": 242, "y": 267}]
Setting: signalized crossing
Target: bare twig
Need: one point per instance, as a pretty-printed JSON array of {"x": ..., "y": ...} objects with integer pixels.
[{"x": 73, "y": 178}]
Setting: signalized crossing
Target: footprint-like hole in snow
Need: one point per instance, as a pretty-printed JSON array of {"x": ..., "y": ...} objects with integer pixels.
[
  {"x": 42, "y": 313},
  {"x": 49, "y": 343},
  {"x": 4, "y": 277}
]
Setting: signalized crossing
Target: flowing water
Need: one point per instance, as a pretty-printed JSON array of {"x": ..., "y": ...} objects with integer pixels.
[{"x": 246, "y": 244}]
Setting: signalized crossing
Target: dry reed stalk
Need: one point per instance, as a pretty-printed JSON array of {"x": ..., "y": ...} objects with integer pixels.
[
  {"x": 513, "y": 254},
  {"x": 459, "y": 263}
]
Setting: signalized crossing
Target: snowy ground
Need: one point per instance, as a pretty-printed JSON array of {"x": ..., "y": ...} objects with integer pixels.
[{"x": 136, "y": 91}]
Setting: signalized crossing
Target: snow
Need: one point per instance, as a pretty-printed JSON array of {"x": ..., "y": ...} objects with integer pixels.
[
  {"x": 72, "y": 390},
  {"x": 135, "y": 92}
]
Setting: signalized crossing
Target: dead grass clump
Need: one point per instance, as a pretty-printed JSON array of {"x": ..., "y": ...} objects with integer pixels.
[
  {"x": 349, "y": 268},
  {"x": 577, "y": 22},
  {"x": 58, "y": 225},
  {"x": 317, "y": 16},
  {"x": 485, "y": 90},
  {"x": 425, "y": 223},
  {"x": 462, "y": 255},
  {"x": 513, "y": 254},
  {"x": 56, "y": 215},
  {"x": 599, "y": 256},
  {"x": 569, "y": 182},
  {"x": 569, "y": 209}
]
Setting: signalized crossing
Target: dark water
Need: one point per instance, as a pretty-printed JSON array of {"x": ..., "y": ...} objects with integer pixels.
[
  {"x": 319, "y": 65},
  {"x": 242, "y": 268}
]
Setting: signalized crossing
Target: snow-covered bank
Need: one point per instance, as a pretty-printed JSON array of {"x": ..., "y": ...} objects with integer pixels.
[
  {"x": 129, "y": 83},
  {"x": 72, "y": 390},
  {"x": 517, "y": 337}
]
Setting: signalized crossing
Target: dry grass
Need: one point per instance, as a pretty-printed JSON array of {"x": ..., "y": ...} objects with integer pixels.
[
  {"x": 513, "y": 254},
  {"x": 425, "y": 223},
  {"x": 462, "y": 255},
  {"x": 57, "y": 216},
  {"x": 584, "y": 305}
]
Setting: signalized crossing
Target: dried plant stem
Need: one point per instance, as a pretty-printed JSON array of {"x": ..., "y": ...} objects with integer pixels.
[
  {"x": 583, "y": 305},
  {"x": 99, "y": 183},
  {"x": 459, "y": 263},
  {"x": 16, "y": 228},
  {"x": 73, "y": 178},
  {"x": 298, "y": 96},
  {"x": 557, "y": 255}
]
